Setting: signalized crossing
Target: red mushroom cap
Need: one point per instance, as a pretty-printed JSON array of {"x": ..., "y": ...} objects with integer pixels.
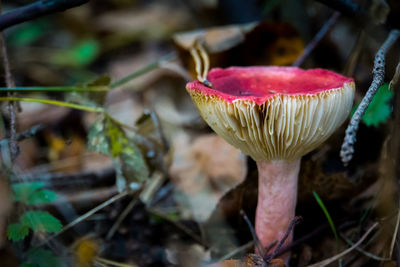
[
  {"x": 260, "y": 83},
  {"x": 274, "y": 113}
]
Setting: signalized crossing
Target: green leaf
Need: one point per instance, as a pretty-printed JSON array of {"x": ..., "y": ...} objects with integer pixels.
[
  {"x": 80, "y": 55},
  {"x": 32, "y": 194},
  {"x": 41, "y": 221},
  {"x": 23, "y": 191},
  {"x": 97, "y": 140},
  {"x": 43, "y": 258},
  {"x": 27, "y": 33},
  {"x": 17, "y": 231},
  {"x": 379, "y": 109},
  {"x": 106, "y": 136},
  {"x": 131, "y": 167},
  {"x": 41, "y": 197}
]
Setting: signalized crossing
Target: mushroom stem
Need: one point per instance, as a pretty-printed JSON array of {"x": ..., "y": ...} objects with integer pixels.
[{"x": 277, "y": 196}]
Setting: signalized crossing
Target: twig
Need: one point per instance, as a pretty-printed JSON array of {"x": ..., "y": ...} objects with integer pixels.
[
  {"x": 342, "y": 254},
  {"x": 13, "y": 145},
  {"x": 59, "y": 179},
  {"x": 35, "y": 10},
  {"x": 295, "y": 221},
  {"x": 231, "y": 254},
  {"x": 317, "y": 38},
  {"x": 396, "y": 229},
  {"x": 53, "y": 102},
  {"x": 253, "y": 233},
  {"x": 355, "y": 54},
  {"x": 347, "y": 150},
  {"x": 120, "y": 218},
  {"x": 178, "y": 225},
  {"x": 344, "y": 6},
  {"x": 312, "y": 234},
  {"x": 176, "y": 68},
  {"x": 88, "y": 214},
  {"x": 366, "y": 253},
  {"x": 143, "y": 70},
  {"x": 113, "y": 263},
  {"x": 46, "y": 89},
  {"x": 25, "y": 134}
]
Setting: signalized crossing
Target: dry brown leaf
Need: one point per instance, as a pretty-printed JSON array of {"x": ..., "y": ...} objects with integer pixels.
[
  {"x": 204, "y": 169},
  {"x": 214, "y": 39}
]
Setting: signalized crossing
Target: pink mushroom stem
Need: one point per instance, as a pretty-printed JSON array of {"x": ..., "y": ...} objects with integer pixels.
[{"x": 277, "y": 196}]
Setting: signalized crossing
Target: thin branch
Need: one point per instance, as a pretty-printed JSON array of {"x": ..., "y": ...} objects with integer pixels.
[
  {"x": 178, "y": 225},
  {"x": 143, "y": 70},
  {"x": 346, "y": 7},
  {"x": 253, "y": 233},
  {"x": 317, "y": 38},
  {"x": 347, "y": 150},
  {"x": 354, "y": 54},
  {"x": 312, "y": 234},
  {"x": 53, "y": 102},
  {"x": 25, "y": 135},
  {"x": 63, "y": 180},
  {"x": 396, "y": 229},
  {"x": 88, "y": 214},
  {"x": 236, "y": 251},
  {"x": 57, "y": 89},
  {"x": 35, "y": 10},
  {"x": 120, "y": 218},
  {"x": 343, "y": 253},
  {"x": 13, "y": 145},
  {"x": 362, "y": 251},
  {"x": 295, "y": 221},
  {"x": 107, "y": 262}
]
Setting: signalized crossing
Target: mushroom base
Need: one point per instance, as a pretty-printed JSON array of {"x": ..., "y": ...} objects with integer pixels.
[{"x": 277, "y": 196}]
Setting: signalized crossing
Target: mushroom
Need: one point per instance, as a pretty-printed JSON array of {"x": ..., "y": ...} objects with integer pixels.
[{"x": 275, "y": 115}]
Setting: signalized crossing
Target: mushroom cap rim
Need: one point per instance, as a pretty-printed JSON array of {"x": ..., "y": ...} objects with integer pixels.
[{"x": 338, "y": 82}]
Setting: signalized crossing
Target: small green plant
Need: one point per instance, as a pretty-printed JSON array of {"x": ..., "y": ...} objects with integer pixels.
[
  {"x": 379, "y": 109},
  {"x": 329, "y": 218},
  {"x": 36, "y": 221}
]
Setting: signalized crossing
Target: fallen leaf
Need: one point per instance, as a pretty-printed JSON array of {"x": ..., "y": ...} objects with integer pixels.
[
  {"x": 214, "y": 39},
  {"x": 204, "y": 169}
]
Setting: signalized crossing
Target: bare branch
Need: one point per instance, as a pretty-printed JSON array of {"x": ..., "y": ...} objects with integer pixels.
[
  {"x": 347, "y": 150},
  {"x": 344, "y": 6},
  {"x": 317, "y": 38},
  {"x": 340, "y": 255},
  {"x": 26, "y": 134},
  {"x": 13, "y": 145},
  {"x": 35, "y": 10}
]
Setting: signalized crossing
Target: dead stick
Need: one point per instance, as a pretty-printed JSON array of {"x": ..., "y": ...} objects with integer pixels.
[
  {"x": 317, "y": 38},
  {"x": 13, "y": 145},
  {"x": 340, "y": 255},
  {"x": 275, "y": 253},
  {"x": 344, "y": 6},
  {"x": 347, "y": 150},
  {"x": 35, "y": 10},
  {"x": 254, "y": 235},
  {"x": 87, "y": 215}
]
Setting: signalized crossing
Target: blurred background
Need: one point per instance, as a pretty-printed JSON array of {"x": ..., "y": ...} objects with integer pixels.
[{"x": 170, "y": 190}]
